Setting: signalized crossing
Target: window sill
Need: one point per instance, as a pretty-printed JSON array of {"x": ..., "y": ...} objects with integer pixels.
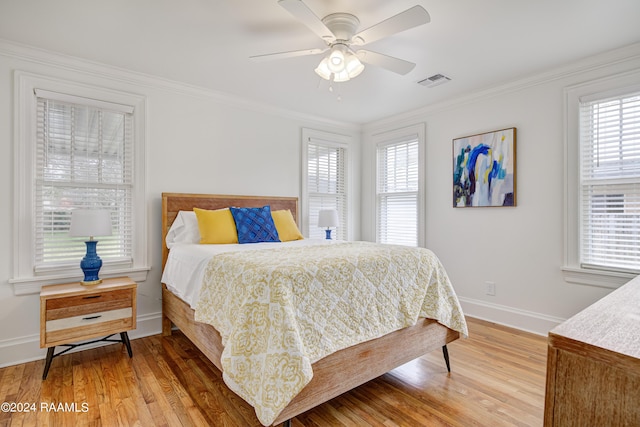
[
  {"x": 598, "y": 278},
  {"x": 32, "y": 285}
]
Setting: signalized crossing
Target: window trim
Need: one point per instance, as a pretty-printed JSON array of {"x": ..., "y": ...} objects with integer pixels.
[
  {"x": 23, "y": 277},
  {"x": 342, "y": 141},
  {"x": 572, "y": 271},
  {"x": 390, "y": 137}
]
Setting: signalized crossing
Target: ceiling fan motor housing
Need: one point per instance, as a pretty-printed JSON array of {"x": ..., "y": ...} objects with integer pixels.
[{"x": 342, "y": 25}]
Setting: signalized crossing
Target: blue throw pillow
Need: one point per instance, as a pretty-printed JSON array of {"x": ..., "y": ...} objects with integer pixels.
[{"x": 255, "y": 225}]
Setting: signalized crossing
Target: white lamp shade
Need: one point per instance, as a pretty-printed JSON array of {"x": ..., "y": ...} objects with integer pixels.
[
  {"x": 323, "y": 69},
  {"x": 90, "y": 223},
  {"x": 337, "y": 58},
  {"x": 328, "y": 218},
  {"x": 354, "y": 67}
]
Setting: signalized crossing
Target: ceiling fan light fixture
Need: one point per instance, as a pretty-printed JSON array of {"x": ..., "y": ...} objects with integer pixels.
[{"x": 351, "y": 66}]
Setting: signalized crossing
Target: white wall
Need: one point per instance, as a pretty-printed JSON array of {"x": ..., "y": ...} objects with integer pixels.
[
  {"x": 197, "y": 141},
  {"x": 520, "y": 249}
]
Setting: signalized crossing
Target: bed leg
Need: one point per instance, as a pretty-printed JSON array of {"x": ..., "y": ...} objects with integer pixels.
[
  {"x": 286, "y": 423},
  {"x": 166, "y": 326},
  {"x": 445, "y": 353}
]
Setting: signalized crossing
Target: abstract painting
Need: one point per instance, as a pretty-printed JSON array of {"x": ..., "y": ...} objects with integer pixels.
[{"x": 484, "y": 169}]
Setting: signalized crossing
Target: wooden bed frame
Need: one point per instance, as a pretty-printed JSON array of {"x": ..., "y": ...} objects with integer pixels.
[{"x": 332, "y": 375}]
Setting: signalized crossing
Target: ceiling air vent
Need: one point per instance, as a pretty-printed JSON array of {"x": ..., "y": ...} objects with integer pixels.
[{"x": 435, "y": 80}]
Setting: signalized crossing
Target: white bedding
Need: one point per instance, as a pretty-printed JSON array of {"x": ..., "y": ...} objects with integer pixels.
[{"x": 184, "y": 271}]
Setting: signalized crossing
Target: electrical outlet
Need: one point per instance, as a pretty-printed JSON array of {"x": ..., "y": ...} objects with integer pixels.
[{"x": 490, "y": 288}]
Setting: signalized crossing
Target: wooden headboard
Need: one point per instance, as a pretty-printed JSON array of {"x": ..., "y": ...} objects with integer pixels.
[{"x": 172, "y": 203}]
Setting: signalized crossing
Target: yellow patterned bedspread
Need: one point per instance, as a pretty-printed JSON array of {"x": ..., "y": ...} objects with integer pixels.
[{"x": 280, "y": 310}]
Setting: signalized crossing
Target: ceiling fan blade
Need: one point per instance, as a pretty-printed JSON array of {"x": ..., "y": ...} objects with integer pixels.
[
  {"x": 283, "y": 55},
  {"x": 300, "y": 10},
  {"x": 410, "y": 18},
  {"x": 397, "y": 65}
]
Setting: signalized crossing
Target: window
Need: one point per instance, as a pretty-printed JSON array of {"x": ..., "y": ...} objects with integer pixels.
[
  {"x": 325, "y": 181},
  {"x": 399, "y": 186},
  {"x": 397, "y": 194},
  {"x": 77, "y": 147},
  {"x": 84, "y": 159},
  {"x": 602, "y": 146},
  {"x": 610, "y": 183}
]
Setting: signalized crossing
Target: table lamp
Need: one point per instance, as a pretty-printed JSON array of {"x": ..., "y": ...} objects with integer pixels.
[
  {"x": 91, "y": 223},
  {"x": 328, "y": 218}
]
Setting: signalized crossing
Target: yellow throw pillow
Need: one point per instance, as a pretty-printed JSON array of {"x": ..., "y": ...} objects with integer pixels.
[
  {"x": 286, "y": 226},
  {"x": 216, "y": 227}
]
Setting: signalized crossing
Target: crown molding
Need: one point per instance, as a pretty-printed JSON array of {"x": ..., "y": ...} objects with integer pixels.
[
  {"x": 95, "y": 69},
  {"x": 116, "y": 74},
  {"x": 607, "y": 59}
]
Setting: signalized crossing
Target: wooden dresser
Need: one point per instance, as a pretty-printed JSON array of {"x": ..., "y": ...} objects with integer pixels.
[{"x": 593, "y": 364}]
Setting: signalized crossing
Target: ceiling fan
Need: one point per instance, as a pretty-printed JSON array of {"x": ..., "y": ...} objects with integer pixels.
[{"x": 338, "y": 30}]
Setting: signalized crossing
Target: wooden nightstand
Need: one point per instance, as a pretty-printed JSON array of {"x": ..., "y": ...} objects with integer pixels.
[{"x": 72, "y": 312}]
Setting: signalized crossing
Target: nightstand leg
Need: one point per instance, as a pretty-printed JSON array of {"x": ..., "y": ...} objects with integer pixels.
[
  {"x": 47, "y": 363},
  {"x": 125, "y": 340}
]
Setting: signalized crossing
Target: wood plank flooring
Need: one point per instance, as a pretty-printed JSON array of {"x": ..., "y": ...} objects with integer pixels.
[{"x": 497, "y": 379}]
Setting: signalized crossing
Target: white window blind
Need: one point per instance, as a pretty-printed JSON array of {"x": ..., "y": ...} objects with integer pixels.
[
  {"x": 397, "y": 192},
  {"x": 84, "y": 159},
  {"x": 610, "y": 183},
  {"x": 326, "y": 185}
]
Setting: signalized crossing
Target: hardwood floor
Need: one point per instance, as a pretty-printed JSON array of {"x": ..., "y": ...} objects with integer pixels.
[{"x": 497, "y": 379}]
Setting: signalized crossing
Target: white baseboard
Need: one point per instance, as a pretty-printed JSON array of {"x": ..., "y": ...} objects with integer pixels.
[
  {"x": 525, "y": 320},
  {"x": 27, "y": 349}
]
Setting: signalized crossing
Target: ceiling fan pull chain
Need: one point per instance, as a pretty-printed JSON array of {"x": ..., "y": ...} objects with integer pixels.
[{"x": 339, "y": 97}]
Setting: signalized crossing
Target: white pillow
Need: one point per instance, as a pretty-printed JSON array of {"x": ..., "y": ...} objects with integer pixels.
[{"x": 184, "y": 229}]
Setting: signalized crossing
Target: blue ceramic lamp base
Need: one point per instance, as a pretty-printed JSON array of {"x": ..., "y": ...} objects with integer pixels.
[
  {"x": 91, "y": 264},
  {"x": 328, "y": 233}
]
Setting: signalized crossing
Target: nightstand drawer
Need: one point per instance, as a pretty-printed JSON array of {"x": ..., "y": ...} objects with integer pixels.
[
  {"x": 87, "y": 319},
  {"x": 70, "y": 329},
  {"x": 79, "y": 305}
]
